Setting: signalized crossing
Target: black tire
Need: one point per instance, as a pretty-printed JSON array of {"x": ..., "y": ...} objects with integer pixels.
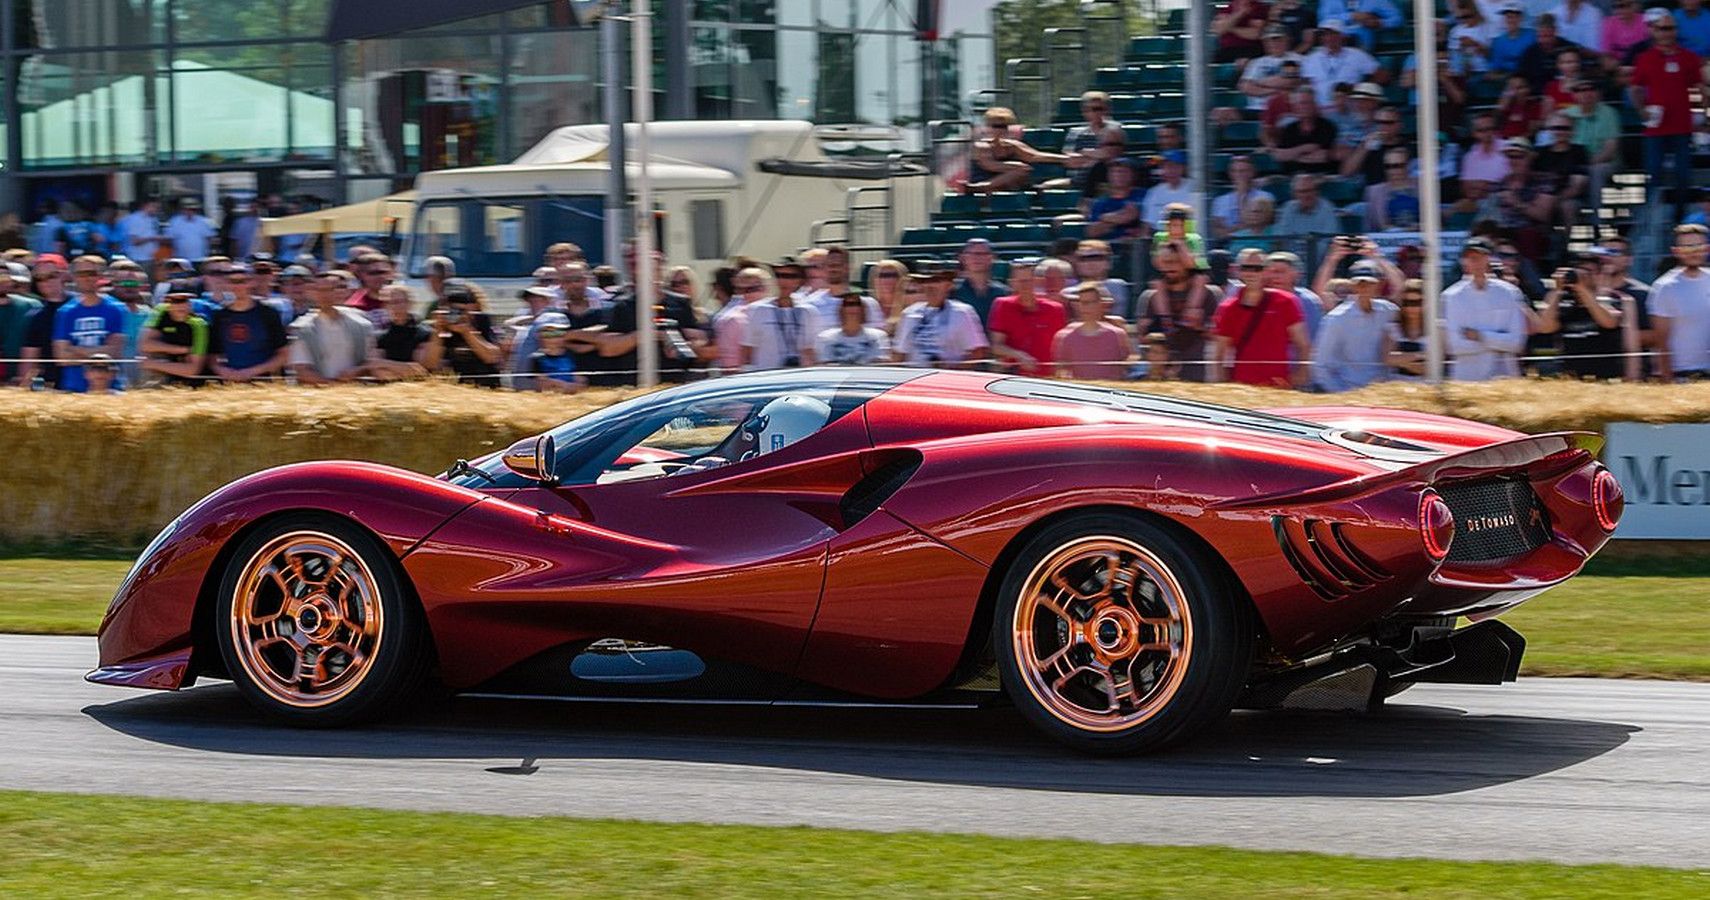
[
  {"x": 1202, "y": 670},
  {"x": 377, "y": 653}
]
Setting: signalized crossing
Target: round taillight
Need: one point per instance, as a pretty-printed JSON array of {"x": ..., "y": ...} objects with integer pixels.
[
  {"x": 1607, "y": 500},
  {"x": 1436, "y": 525}
]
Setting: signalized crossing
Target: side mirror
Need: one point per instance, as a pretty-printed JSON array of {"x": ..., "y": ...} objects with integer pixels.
[{"x": 534, "y": 458}]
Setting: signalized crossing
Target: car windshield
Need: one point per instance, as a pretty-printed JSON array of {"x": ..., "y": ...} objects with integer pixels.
[{"x": 686, "y": 423}]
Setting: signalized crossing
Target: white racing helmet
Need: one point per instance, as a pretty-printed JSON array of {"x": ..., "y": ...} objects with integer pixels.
[{"x": 785, "y": 421}]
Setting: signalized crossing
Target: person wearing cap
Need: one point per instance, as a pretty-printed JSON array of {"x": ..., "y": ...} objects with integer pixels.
[
  {"x": 1511, "y": 42},
  {"x": 1263, "y": 76},
  {"x": 1333, "y": 62},
  {"x": 174, "y": 269},
  {"x": 1587, "y": 318},
  {"x": 1360, "y": 120},
  {"x": 335, "y": 342},
  {"x": 1024, "y": 324},
  {"x": 1680, "y": 309},
  {"x": 1259, "y": 333},
  {"x": 1353, "y": 344},
  {"x": 16, "y": 308},
  {"x": 551, "y": 365},
  {"x": 129, "y": 285},
  {"x": 1173, "y": 187},
  {"x": 100, "y": 376},
  {"x": 190, "y": 233},
  {"x": 294, "y": 289},
  {"x": 975, "y": 285},
  {"x": 90, "y": 323},
  {"x": 1664, "y": 77},
  {"x": 1524, "y": 202},
  {"x": 520, "y": 336},
  {"x": 1092, "y": 262},
  {"x": 1308, "y": 142},
  {"x": 174, "y": 341},
  {"x": 1237, "y": 27},
  {"x": 852, "y": 342},
  {"x": 781, "y": 330},
  {"x": 1484, "y": 319},
  {"x": 939, "y": 332},
  {"x": 1117, "y": 214}
]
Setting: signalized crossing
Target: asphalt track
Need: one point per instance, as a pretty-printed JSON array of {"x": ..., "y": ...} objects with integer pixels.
[{"x": 1574, "y": 770}]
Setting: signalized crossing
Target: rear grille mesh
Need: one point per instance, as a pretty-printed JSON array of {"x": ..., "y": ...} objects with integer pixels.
[{"x": 1495, "y": 518}]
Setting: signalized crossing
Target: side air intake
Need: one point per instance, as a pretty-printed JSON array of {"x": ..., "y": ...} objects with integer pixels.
[{"x": 864, "y": 497}]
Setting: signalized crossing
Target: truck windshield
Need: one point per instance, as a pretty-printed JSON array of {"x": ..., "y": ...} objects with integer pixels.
[{"x": 505, "y": 237}]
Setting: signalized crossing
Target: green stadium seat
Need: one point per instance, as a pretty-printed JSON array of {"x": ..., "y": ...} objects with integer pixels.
[
  {"x": 1074, "y": 230},
  {"x": 1351, "y": 222},
  {"x": 1115, "y": 78},
  {"x": 1019, "y": 233},
  {"x": 962, "y": 205},
  {"x": 1128, "y": 106},
  {"x": 1168, "y": 106},
  {"x": 1068, "y": 109},
  {"x": 1239, "y": 134},
  {"x": 1264, "y": 164},
  {"x": 1175, "y": 22},
  {"x": 1162, "y": 78},
  {"x": 1010, "y": 204},
  {"x": 1342, "y": 192},
  {"x": 920, "y": 237},
  {"x": 1056, "y": 203},
  {"x": 1049, "y": 140},
  {"x": 1049, "y": 172},
  {"x": 1140, "y": 137},
  {"x": 1157, "y": 49},
  {"x": 1226, "y": 75}
]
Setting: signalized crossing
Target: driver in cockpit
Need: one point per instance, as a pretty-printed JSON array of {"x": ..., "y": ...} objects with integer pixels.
[{"x": 778, "y": 424}]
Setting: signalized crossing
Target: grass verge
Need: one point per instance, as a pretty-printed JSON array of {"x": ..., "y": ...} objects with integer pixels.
[
  {"x": 54, "y": 845},
  {"x": 1614, "y": 622}
]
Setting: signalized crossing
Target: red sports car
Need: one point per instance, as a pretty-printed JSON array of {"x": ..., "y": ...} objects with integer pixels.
[{"x": 1124, "y": 568}]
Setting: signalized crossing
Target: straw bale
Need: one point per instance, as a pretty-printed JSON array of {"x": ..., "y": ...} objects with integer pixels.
[{"x": 117, "y": 468}]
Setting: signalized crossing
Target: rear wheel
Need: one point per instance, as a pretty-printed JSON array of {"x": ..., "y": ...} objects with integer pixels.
[
  {"x": 315, "y": 625},
  {"x": 1116, "y": 636}
]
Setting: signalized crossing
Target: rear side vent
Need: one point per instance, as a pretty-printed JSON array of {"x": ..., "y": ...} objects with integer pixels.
[{"x": 865, "y": 496}]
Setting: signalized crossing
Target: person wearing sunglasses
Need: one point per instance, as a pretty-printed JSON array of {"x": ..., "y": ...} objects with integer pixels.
[
  {"x": 730, "y": 323},
  {"x": 1256, "y": 328},
  {"x": 1680, "y": 309},
  {"x": 1024, "y": 324},
  {"x": 1664, "y": 77},
  {"x": 1098, "y": 139},
  {"x": 852, "y": 342},
  {"x": 16, "y": 308},
  {"x": 248, "y": 340},
  {"x": 129, "y": 285},
  {"x": 90, "y": 323}
]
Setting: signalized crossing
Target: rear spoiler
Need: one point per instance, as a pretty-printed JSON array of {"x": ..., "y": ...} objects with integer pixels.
[{"x": 1537, "y": 455}]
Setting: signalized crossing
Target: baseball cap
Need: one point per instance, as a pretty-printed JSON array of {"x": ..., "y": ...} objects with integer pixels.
[
  {"x": 20, "y": 273},
  {"x": 459, "y": 291},
  {"x": 1284, "y": 257},
  {"x": 934, "y": 273},
  {"x": 552, "y": 321},
  {"x": 788, "y": 264},
  {"x": 1516, "y": 145},
  {"x": 296, "y": 271},
  {"x": 1654, "y": 14},
  {"x": 1512, "y": 6},
  {"x": 544, "y": 293},
  {"x": 1477, "y": 245},
  {"x": 1368, "y": 89},
  {"x": 546, "y": 272},
  {"x": 1365, "y": 268},
  {"x": 52, "y": 259},
  {"x": 1336, "y": 25}
]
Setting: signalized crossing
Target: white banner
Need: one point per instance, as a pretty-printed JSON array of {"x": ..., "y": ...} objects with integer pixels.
[
  {"x": 1665, "y": 472},
  {"x": 1391, "y": 242}
]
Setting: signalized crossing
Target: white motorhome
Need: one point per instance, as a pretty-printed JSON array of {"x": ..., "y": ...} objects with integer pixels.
[{"x": 759, "y": 188}]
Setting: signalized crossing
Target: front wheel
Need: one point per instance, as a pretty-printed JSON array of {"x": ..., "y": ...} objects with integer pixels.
[
  {"x": 1116, "y": 636},
  {"x": 315, "y": 625}
]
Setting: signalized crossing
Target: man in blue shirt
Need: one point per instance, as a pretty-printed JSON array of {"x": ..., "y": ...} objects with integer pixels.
[
  {"x": 1507, "y": 47},
  {"x": 90, "y": 324},
  {"x": 1353, "y": 343},
  {"x": 1694, "y": 25}
]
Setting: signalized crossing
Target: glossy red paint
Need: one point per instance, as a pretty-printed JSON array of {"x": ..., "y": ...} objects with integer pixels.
[
  {"x": 152, "y": 611},
  {"x": 165, "y": 672},
  {"x": 754, "y": 563}
]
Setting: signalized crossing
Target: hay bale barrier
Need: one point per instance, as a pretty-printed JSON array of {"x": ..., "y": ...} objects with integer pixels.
[{"x": 114, "y": 469}]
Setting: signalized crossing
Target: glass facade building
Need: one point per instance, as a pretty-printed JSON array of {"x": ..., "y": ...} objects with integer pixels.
[{"x": 113, "y": 99}]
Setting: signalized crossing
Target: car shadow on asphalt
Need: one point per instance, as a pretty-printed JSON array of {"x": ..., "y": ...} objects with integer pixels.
[{"x": 1404, "y": 750}]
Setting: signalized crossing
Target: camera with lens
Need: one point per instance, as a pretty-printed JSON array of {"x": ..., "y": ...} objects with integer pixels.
[
  {"x": 1350, "y": 241},
  {"x": 676, "y": 346},
  {"x": 1567, "y": 277}
]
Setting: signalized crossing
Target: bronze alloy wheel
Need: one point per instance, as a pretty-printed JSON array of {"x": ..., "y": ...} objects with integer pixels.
[
  {"x": 306, "y": 619},
  {"x": 1102, "y": 633}
]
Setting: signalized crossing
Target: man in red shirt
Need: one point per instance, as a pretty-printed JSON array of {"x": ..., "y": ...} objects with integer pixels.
[
  {"x": 1023, "y": 324},
  {"x": 373, "y": 271},
  {"x": 1255, "y": 328},
  {"x": 1663, "y": 79}
]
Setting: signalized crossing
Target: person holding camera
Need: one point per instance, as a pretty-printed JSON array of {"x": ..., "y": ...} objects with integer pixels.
[
  {"x": 468, "y": 346},
  {"x": 1587, "y": 315},
  {"x": 781, "y": 331}
]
